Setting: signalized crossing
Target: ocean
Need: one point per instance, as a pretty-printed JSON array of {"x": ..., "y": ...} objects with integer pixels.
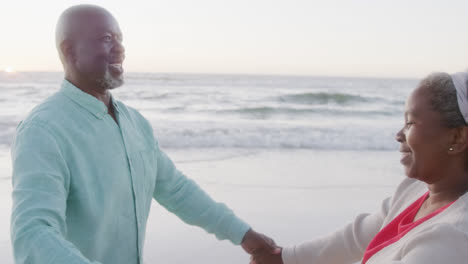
[
  {"x": 294, "y": 156},
  {"x": 190, "y": 111}
]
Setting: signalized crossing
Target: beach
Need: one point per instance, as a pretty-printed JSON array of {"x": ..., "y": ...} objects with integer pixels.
[
  {"x": 296, "y": 157},
  {"x": 290, "y": 195}
]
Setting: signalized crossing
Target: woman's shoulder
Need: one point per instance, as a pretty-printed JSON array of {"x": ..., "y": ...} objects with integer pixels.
[
  {"x": 457, "y": 214},
  {"x": 450, "y": 223},
  {"x": 443, "y": 236},
  {"x": 410, "y": 190}
]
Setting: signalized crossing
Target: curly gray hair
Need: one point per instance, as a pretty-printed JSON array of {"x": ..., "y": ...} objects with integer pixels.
[{"x": 444, "y": 98}]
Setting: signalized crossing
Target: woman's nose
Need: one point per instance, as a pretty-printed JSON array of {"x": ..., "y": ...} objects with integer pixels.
[{"x": 400, "y": 136}]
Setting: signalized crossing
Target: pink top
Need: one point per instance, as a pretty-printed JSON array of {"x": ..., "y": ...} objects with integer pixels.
[{"x": 399, "y": 226}]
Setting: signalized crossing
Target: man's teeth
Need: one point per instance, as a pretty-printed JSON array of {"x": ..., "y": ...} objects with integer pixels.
[{"x": 116, "y": 66}]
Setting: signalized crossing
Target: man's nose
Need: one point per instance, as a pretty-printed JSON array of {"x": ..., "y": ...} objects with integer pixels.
[{"x": 119, "y": 48}]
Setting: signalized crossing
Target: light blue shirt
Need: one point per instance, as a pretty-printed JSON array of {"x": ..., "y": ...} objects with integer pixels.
[{"x": 83, "y": 185}]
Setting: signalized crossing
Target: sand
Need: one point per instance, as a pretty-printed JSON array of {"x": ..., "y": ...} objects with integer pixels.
[{"x": 291, "y": 195}]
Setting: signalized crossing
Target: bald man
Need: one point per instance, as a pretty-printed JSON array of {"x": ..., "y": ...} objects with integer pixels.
[{"x": 86, "y": 166}]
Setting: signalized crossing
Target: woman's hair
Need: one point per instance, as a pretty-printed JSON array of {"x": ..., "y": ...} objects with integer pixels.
[{"x": 444, "y": 98}]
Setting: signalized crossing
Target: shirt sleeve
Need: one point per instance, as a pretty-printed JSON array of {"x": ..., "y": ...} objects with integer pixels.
[
  {"x": 183, "y": 197},
  {"x": 40, "y": 188},
  {"x": 346, "y": 245},
  {"x": 440, "y": 244}
]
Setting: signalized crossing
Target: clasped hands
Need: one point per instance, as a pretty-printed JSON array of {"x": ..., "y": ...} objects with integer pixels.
[{"x": 262, "y": 249}]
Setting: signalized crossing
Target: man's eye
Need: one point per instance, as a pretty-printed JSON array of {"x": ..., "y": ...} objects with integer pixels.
[{"x": 107, "y": 38}]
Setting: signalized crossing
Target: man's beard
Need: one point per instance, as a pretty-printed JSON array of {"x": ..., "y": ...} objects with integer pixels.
[{"x": 110, "y": 82}]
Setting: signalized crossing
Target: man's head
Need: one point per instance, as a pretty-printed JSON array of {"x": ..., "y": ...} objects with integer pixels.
[{"x": 89, "y": 42}]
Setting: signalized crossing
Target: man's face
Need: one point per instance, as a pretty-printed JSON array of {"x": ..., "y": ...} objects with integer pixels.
[{"x": 98, "y": 52}]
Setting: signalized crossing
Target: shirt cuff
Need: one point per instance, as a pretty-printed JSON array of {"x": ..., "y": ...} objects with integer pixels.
[{"x": 238, "y": 230}]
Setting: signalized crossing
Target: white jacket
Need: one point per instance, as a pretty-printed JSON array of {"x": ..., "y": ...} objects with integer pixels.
[{"x": 441, "y": 239}]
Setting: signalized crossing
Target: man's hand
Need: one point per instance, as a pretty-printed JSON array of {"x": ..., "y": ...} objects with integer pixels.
[
  {"x": 264, "y": 257},
  {"x": 256, "y": 243}
]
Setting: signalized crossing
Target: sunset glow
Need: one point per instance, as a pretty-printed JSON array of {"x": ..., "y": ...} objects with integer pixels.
[{"x": 9, "y": 70}]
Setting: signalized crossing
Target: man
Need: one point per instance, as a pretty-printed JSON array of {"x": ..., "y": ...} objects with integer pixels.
[{"x": 86, "y": 166}]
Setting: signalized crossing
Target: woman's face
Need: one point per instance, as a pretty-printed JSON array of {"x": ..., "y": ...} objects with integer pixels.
[{"x": 425, "y": 142}]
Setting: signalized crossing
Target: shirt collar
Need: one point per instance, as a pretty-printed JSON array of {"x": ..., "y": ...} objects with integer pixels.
[{"x": 87, "y": 101}]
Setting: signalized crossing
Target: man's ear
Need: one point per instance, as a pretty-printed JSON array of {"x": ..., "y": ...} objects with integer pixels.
[
  {"x": 67, "y": 51},
  {"x": 459, "y": 140}
]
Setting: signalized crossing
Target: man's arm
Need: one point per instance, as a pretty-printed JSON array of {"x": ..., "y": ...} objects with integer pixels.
[
  {"x": 184, "y": 198},
  {"x": 40, "y": 189}
]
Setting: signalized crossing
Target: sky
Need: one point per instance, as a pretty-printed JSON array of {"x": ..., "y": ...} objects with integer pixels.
[{"x": 362, "y": 38}]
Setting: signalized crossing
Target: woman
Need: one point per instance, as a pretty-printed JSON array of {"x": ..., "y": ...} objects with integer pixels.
[{"x": 426, "y": 220}]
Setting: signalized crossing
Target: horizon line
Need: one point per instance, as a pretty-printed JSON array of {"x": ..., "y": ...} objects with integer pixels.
[{"x": 236, "y": 74}]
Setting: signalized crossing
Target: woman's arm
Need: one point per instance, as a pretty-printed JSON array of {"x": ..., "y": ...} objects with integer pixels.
[{"x": 346, "y": 245}]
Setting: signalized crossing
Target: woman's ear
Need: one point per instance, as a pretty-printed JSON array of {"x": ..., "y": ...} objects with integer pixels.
[{"x": 459, "y": 140}]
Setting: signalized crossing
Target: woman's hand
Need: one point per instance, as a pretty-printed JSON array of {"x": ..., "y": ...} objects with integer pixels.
[
  {"x": 265, "y": 257},
  {"x": 254, "y": 242}
]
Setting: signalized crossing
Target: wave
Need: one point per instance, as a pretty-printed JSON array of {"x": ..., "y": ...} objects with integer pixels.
[
  {"x": 334, "y": 134},
  {"x": 324, "y": 98},
  {"x": 240, "y": 111},
  {"x": 266, "y": 112},
  {"x": 271, "y": 136},
  {"x": 321, "y": 98},
  {"x": 153, "y": 96}
]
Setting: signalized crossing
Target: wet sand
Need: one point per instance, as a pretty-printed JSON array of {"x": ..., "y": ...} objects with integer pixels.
[{"x": 291, "y": 195}]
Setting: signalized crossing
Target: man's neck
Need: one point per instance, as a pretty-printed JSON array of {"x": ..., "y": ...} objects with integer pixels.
[{"x": 102, "y": 95}]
